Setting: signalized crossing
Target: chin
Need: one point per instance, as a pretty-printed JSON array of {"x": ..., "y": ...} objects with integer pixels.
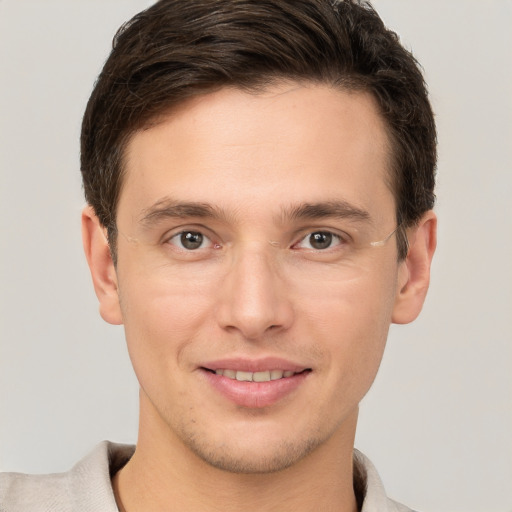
[{"x": 254, "y": 460}]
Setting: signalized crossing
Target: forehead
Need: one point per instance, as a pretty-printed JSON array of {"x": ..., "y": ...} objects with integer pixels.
[{"x": 291, "y": 143}]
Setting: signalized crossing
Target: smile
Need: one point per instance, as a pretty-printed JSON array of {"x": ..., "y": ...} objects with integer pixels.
[
  {"x": 255, "y": 389},
  {"x": 264, "y": 376}
]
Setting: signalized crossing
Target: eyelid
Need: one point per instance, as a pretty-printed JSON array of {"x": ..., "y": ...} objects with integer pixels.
[
  {"x": 178, "y": 235},
  {"x": 342, "y": 236},
  {"x": 196, "y": 228},
  {"x": 184, "y": 228},
  {"x": 299, "y": 236}
]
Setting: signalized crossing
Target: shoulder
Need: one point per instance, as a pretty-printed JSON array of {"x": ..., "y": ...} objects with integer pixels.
[
  {"x": 32, "y": 492},
  {"x": 86, "y": 487},
  {"x": 374, "y": 497},
  {"x": 394, "y": 506}
]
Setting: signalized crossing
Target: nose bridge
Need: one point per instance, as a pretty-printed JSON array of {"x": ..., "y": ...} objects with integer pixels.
[{"x": 253, "y": 296}]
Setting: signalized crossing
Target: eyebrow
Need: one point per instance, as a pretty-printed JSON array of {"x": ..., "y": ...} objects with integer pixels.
[
  {"x": 168, "y": 208},
  {"x": 328, "y": 209}
]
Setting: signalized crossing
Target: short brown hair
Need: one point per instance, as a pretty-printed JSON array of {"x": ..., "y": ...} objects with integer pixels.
[{"x": 176, "y": 49}]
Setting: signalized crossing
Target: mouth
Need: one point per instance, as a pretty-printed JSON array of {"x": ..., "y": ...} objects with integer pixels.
[
  {"x": 255, "y": 384},
  {"x": 262, "y": 376}
]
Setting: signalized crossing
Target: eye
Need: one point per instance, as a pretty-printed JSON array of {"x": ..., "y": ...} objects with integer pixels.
[
  {"x": 190, "y": 240},
  {"x": 319, "y": 240}
]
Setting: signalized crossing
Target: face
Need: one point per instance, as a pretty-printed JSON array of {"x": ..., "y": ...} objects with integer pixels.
[{"x": 255, "y": 306}]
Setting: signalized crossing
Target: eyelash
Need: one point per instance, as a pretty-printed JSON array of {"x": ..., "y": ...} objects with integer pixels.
[
  {"x": 179, "y": 235},
  {"x": 329, "y": 235},
  {"x": 325, "y": 233}
]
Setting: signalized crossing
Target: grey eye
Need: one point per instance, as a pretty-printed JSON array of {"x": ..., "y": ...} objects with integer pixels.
[
  {"x": 191, "y": 240},
  {"x": 320, "y": 240}
]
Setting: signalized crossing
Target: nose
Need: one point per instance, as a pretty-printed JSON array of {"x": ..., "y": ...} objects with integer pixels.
[{"x": 253, "y": 298}]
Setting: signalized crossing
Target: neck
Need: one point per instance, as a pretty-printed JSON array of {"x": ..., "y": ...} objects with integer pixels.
[{"x": 164, "y": 474}]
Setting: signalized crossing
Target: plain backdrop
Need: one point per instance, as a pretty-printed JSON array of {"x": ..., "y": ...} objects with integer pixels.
[{"x": 438, "y": 420}]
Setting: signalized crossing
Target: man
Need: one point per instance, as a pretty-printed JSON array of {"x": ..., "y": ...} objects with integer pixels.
[{"x": 260, "y": 178}]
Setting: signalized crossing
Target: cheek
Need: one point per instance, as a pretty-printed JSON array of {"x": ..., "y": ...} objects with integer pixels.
[
  {"x": 353, "y": 318},
  {"x": 350, "y": 307},
  {"x": 161, "y": 320}
]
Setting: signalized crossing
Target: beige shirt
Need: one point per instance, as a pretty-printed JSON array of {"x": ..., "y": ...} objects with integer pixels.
[{"x": 87, "y": 486}]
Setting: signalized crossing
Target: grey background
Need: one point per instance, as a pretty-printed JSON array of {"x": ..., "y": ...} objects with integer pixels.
[{"x": 438, "y": 421}]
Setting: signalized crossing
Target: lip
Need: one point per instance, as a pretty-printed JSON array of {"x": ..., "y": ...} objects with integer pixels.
[
  {"x": 254, "y": 365},
  {"x": 254, "y": 395}
]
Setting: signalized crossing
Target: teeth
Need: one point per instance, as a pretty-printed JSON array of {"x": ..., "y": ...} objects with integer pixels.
[
  {"x": 261, "y": 376},
  {"x": 265, "y": 376},
  {"x": 244, "y": 376}
]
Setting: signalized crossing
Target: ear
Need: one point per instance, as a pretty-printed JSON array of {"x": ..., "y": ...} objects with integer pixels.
[
  {"x": 414, "y": 272},
  {"x": 103, "y": 272}
]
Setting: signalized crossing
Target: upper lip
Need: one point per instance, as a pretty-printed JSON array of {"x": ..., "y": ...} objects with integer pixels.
[{"x": 254, "y": 365}]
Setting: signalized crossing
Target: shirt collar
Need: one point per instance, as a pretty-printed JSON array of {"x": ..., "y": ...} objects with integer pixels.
[{"x": 375, "y": 498}]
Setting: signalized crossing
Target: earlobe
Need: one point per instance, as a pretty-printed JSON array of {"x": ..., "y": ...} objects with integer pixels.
[
  {"x": 414, "y": 274},
  {"x": 102, "y": 268}
]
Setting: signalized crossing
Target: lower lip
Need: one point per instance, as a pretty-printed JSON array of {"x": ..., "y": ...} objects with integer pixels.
[{"x": 255, "y": 395}]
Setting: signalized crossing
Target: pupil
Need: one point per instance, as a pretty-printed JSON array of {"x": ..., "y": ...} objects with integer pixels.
[
  {"x": 191, "y": 240},
  {"x": 320, "y": 240}
]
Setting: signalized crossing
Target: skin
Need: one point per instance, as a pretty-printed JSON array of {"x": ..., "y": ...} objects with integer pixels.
[{"x": 256, "y": 288}]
